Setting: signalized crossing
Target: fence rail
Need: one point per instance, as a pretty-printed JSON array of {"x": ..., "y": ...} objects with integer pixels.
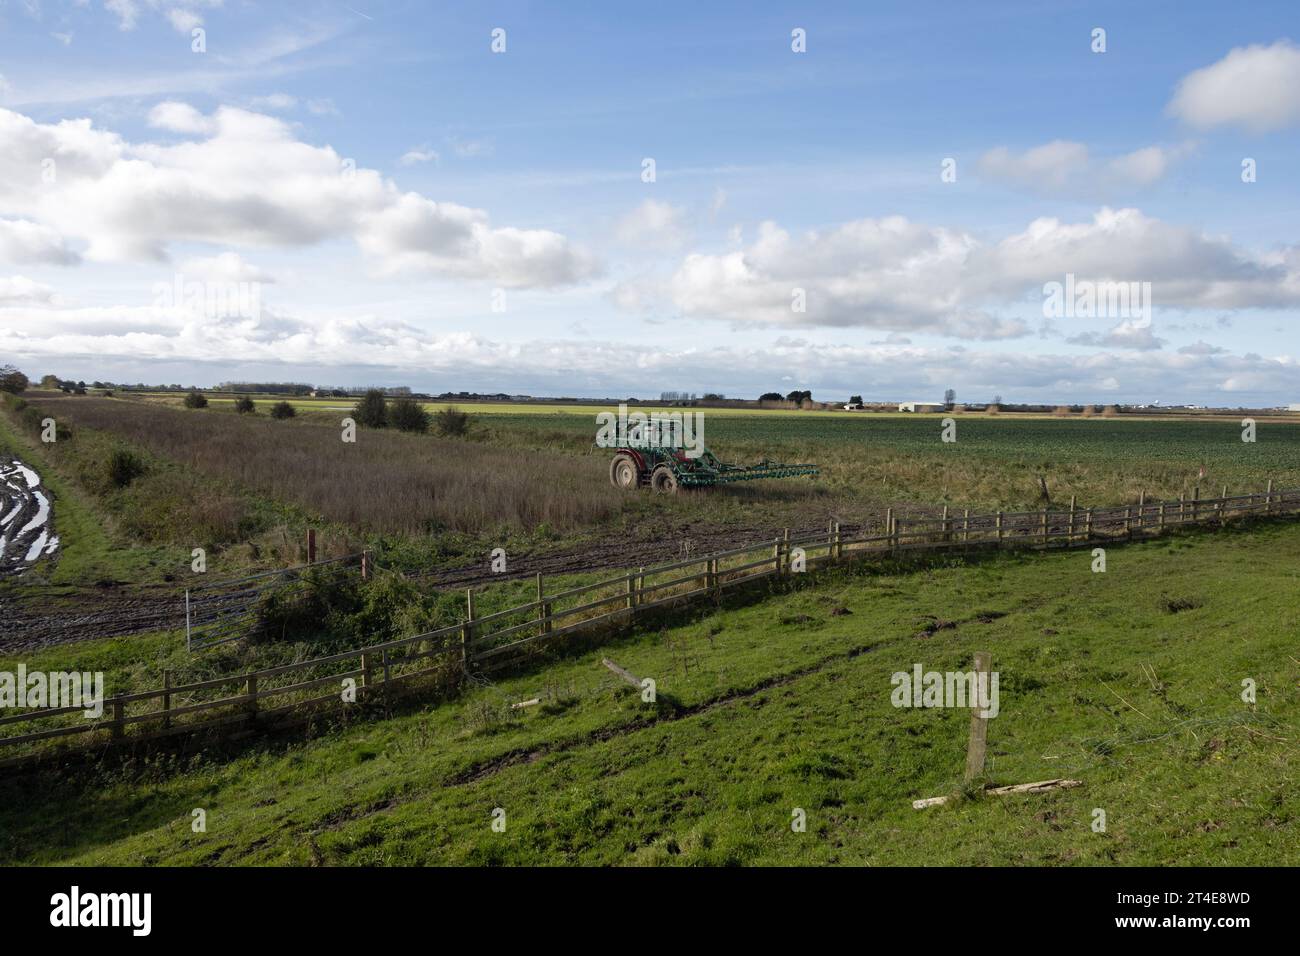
[{"x": 493, "y": 641}]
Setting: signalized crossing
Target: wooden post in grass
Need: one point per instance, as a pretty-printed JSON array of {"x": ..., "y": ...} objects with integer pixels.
[
  {"x": 630, "y": 590},
  {"x": 1142, "y": 510},
  {"x": 365, "y": 671},
  {"x": 839, "y": 542},
  {"x": 311, "y": 545},
  {"x": 945, "y": 524},
  {"x": 467, "y": 629},
  {"x": 1182, "y": 507},
  {"x": 1223, "y": 503},
  {"x": 1268, "y": 497},
  {"x": 1196, "y": 503},
  {"x": 979, "y": 726},
  {"x": 365, "y": 565},
  {"x": 1072, "y": 503},
  {"x": 1087, "y": 526},
  {"x": 1162, "y": 516},
  {"x": 543, "y": 608},
  {"x": 1043, "y": 527},
  {"x": 965, "y": 527},
  {"x": 167, "y": 698},
  {"x": 889, "y": 529},
  {"x": 252, "y": 697},
  {"x": 999, "y": 529},
  {"x": 1128, "y": 522}
]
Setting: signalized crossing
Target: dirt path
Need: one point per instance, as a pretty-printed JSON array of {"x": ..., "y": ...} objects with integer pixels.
[{"x": 26, "y": 519}]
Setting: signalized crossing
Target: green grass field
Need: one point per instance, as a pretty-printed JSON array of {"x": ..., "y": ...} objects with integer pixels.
[{"x": 1129, "y": 681}]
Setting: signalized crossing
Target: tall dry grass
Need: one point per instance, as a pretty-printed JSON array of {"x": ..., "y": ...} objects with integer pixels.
[{"x": 386, "y": 482}]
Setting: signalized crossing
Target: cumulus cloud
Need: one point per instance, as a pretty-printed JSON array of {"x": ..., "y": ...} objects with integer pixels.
[
  {"x": 654, "y": 226},
  {"x": 240, "y": 178},
  {"x": 1062, "y": 166},
  {"x": 1256, "y": 87},
  {"x": 136, "y": 337},
  {"x": 226, "y": 267},
  {"x": 897, "y": 275},
  {"x": 19, "y": 290},
  {"x": 30, "y": 242}
]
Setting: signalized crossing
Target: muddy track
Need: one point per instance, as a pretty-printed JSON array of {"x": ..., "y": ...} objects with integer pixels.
[{"x": 26, "y": 519}]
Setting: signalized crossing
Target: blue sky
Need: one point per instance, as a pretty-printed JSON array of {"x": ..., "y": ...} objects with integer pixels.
[{"x": 413, "y": 208}]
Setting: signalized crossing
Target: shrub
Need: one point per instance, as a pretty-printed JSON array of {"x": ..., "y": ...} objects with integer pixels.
[
  {"x": 123, "y": 467},
  {"x": 372, "y": 410},
  {"x": 452, "y": 422},
  {"x": 12, "y": 380},
  {"x": 196, "y": 399},
  {"x": 282, "y": 410},
  {"x": 408, "y": 415},
  {"x": 244, "y": 405}
]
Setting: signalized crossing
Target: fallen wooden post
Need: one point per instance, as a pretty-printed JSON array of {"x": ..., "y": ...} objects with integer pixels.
[
  {"x": 1041, "y": 786},
  {"x": 626, "y": 675},
  {"x": 526, "y": 703}
]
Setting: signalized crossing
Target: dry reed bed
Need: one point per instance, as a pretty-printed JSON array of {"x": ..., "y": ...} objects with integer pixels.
[{"x": 386, "y": 482}]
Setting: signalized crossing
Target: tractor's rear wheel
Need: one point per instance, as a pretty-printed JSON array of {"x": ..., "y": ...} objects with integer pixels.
[
  {"x": 622, "y": 472},
  {"x": 663, "y": 480}
]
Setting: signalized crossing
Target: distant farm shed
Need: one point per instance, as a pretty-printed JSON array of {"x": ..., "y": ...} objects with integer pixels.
[{"x": 920, "y": 406}]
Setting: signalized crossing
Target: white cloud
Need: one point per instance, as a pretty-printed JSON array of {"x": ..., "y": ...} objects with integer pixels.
[
  {"x": 1256, "y": 87},
  {"x": 420, "y": 154},
  {"x": 179, "y": 118},
  {"x": 226, "y": 267},
  {"x": 184, "y": 21},
  {"x": 1062, "y": 166},
  {"x": 273, "y": 101},
  {"x": 126, "y": 11},
  {"x": 894, "y": 274},
  {"x": 18, "y": 290},
  {"x": 30, "y": 242},
  {"x": 137, "y": 338},
  {"x": 64, "y": 38},
  {"x": 654, "y": 226},
  {"x": 246, "y": 180}
]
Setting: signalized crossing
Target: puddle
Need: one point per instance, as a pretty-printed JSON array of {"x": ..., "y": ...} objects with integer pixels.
[{"x": 26, "y": 526}]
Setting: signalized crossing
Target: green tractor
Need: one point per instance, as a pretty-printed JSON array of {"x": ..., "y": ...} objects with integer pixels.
[{"x": 668, "y": 469}]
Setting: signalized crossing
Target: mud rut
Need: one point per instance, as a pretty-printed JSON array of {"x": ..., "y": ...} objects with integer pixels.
[{"x": 26, "y": 521}]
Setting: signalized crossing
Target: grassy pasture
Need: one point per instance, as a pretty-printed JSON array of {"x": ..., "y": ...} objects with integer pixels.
[{"x": 1129, "y": 681}]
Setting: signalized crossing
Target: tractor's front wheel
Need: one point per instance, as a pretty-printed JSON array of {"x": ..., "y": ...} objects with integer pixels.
[
  {"x": 622, "y": 472},
  {"x": 663, "y": 480}
]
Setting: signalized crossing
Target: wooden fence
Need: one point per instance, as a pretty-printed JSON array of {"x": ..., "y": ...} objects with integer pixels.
[{"x": 480, "y": 644}]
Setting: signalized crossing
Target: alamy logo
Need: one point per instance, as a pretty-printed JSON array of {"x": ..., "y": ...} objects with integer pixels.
[
  {"x": 37, "y": 689},
  {"x": 210, "y": 299},
  {"x": 671, "y": 430},
  {"x": 923, "y": 688},
  {"x": 103, "y": 909},
  {"x": 1086, "y": 299}
]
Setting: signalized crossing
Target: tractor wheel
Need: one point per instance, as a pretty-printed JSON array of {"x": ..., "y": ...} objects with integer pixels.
[
  {"x": 663, "y": 480},
  {"x": 622, "y": 472}
]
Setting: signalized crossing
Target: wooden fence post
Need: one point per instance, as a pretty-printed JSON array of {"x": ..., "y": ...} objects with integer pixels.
[
  {"x": 1142, "y": 510},
  {"x": 1268, "y": 497},
  {"x": 1196, "y": 503},
  {"x": 544, "y": 607},
  {"x": 999, "y": 529},
  {"x": 965, "y": 526},
  {"x": 945, "y": 524},
  {"x": 1162, "y": 516},
  {"x": 630, "y": 590},
  {"x": 1128, "y": 522},
  {"x": 1071, "y": 534},
  {"x": 365, "y": 565},
  {"x": 1043, "y": 528},
  {"x": 889, "y": 530},
  {"x": 311, "y": 545},
  {"x": 167, "y": 699},
  {"x": 252, "y": 697},
  {"x": 365, "y": 671},
  {"x": 979, "y": 726},
  {"x": 467, "y": 630},
  {"x": 839, "y": 542},
  {"x": 1087, "y": 526},
  {"x": 1182, "y": 507},
  {"x": 1223, "y": 503}
]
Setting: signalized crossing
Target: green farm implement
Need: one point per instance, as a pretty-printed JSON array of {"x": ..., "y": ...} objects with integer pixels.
[{"x": 667, "y": 469}]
